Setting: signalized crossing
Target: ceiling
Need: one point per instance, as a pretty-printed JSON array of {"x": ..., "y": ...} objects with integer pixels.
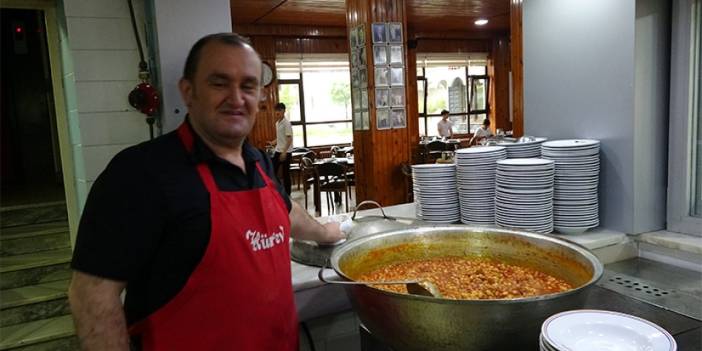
[{"x": 424, "y": 15}]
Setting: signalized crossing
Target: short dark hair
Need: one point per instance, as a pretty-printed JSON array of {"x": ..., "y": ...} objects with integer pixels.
[
  {"x": 445, "y": 112},
  {"x": 486, "y": 122},
  {"x": 193, "y": 59},
  {"x": 280, "y": 106}
]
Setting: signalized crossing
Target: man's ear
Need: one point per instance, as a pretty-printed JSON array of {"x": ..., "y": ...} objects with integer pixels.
[{"x": 186, "y": 91}]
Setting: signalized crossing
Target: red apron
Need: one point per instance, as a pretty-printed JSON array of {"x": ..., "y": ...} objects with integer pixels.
[{"x": 240, "y": 295}]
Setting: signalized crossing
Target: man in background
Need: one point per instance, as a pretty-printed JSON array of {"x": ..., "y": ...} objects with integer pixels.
[
  {"x": 482, "y": 132},
  {"x": 283, "y": 146},
  {"x": 445, "y": 127}
]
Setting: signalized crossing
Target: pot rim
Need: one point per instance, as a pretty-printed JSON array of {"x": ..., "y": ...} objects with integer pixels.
[{"x": 598, "y": 268}]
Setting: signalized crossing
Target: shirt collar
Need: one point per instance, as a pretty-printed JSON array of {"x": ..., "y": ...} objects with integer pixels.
[{"x": 202, "y": 153}]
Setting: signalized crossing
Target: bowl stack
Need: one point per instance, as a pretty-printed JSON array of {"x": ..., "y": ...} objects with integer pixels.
[
  {"x": 435, "y": 192},
  {"x": 603, "y": 330},
  {"x": 476, "y": 182},
  {"x": 524, "y": 194},
  {"x": 524, "y": 147},
  {"x": 575, "y": 199}
]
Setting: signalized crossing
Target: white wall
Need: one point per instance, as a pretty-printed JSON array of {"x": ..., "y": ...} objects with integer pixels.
[
  {"x": 100, "y": 62},
  {"x": 179, "y": 24},
  {"x": 584, "y": 77}
]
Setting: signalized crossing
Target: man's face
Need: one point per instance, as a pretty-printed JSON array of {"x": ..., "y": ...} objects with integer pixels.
[
  {"x": 279, "y": 114},
  {"x": 223, "y": 96},
  {"x": 445, "y": 116}
]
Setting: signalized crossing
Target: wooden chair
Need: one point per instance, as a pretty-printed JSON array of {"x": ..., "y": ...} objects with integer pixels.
[
  {"x": 308, "y": 174},
  {"x": 296, "y": 168},
  {"x": 332, "y": 179}
]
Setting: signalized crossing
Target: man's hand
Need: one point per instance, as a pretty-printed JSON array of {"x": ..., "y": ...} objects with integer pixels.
[{"x": 304, "y": 227}]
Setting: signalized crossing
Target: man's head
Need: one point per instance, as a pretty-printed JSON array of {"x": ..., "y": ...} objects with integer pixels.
[
  {"x": 486, "y": 123},
  {"x": 221, "y": 87},
  {"x": 279, "y": 111},
  {"x": 444, "y": 114}
]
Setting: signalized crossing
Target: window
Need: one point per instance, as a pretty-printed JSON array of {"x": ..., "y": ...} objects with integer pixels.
[
  {"x": 457, "y": 83},
  {"x": 316, "y": 90},
  {"x": 685, "y": 143}
]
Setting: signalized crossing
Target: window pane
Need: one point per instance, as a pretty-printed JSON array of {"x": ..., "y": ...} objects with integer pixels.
[
  {"x": 289, "y": 94},
  {"x": 288, "y": 75},
  {"x": 329, "y": 134},
  {"x": 327, "y": 95},
  {"x": 477, "y": 70},
  {"x": 298, "y": 140},
  {"x": 446, "y": 89},
  {"x": 476, "y": 121},
  {"x": 460, "y": 124},
  {"x": 420, "y": 96},
  {"x": 422, "y": 130},
  {"x": 432, "y": 125},
  {"x": 478, "y": 100}
]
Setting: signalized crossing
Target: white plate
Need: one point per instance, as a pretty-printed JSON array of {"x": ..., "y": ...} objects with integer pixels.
[
  {"x": 582, "y": 330},
  {"x": 523, "y": 162},
  {"x": 571, "y": 143}
]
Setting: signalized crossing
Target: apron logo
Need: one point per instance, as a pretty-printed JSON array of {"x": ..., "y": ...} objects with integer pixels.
[{"x": 261, "y": 241}]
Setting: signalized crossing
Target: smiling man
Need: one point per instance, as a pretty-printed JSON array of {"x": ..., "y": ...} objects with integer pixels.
[{"x": 193, "y": 225}]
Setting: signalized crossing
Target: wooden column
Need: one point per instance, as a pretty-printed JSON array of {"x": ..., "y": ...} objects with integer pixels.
[
  {"x": 264, "y": 129},
  {"x": 380, "y": 153},
  {"x": 498, "y": 70},
  {"x": 517, "y": 67}
]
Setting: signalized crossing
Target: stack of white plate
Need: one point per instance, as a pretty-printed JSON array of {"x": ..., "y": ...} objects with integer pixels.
[
  {"x": 575, "y": 200},
  {"x": 525, "y": 147},
  {"x": 476, "y": 182},
  {"x": 524, "y": 194},
  {"x": 435, "y": 192},
  {"x": 602, "y": 330}
]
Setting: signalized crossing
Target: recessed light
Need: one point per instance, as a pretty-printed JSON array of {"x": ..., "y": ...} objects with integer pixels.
[{"x": 481, "y": 22}]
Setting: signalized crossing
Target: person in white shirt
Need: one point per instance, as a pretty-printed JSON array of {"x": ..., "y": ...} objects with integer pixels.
[
  {"x": 482, "y": 132},
  {"x": 283, "y": 146},
  {"x": 445, "y": 127}
]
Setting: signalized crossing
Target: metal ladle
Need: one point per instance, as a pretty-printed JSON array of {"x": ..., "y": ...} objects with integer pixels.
[{"x": 414, "y": 287}]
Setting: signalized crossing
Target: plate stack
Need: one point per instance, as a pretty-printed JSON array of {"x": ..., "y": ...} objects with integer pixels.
[
  {"x": 476, "y": 182},
  {"x": 603, "y": 330},
  {"x": 435, "y": 192},
  {"x": 524, "y": 194},
  {"x": 575, "y": 201},
  {"x": 523, "y": 148}
]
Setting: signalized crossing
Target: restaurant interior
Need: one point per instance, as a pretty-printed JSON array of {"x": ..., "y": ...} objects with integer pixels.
[{"x": 602, "y": 98}]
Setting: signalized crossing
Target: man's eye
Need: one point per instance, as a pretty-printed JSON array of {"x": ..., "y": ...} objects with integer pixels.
[{"x": 218, "y": 84}]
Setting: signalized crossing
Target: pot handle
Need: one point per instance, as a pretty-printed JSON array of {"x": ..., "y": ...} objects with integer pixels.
[
  {"x": 320, "y": 274},
  {"x": 372, "y": 203}
]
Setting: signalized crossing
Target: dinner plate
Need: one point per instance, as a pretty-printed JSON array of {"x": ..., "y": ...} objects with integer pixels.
[
  {"x": 582, "y": 330},
  {"x": 571, "y": 143}
]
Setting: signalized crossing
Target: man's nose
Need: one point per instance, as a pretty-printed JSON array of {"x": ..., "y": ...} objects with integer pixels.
[{"x": 236, "y": 96}]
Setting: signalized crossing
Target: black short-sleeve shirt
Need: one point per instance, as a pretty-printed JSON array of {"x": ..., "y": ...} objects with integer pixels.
[{"x": 147, "y": 217}]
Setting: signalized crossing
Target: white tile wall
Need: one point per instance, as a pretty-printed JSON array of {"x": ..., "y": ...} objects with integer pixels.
[
  {"x": 97, "y": 65},
  {"x": 113, "y": 128},
  {"x": 97, "y": 157},
  {"x": 100, "y": 33},
  {"x": 104, "y": 96}
]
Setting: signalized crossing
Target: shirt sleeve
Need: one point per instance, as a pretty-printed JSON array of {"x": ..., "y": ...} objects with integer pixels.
[
  {"x": 121, "y": 222},
  {"x": 288, "y": 128}
]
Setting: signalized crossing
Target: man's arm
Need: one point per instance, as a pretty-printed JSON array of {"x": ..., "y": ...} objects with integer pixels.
[
  {"x": 304, "y": 227},
  {"x": 288, "y": 142},
  {"x": 97, "y": 312}
]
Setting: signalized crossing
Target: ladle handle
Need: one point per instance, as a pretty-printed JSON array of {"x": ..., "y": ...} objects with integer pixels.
[
  {"x": 372, "y": 203},
  {"x": 320, "y": 275}
]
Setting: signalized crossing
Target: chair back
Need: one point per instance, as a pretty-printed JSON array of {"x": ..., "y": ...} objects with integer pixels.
[
  {"x": 310, "y": 154},
  {"x": 331, "y": 169},
  {"x": 436, "y": 145}
]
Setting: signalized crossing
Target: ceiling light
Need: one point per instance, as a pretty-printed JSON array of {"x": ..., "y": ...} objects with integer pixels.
[{"x": 480, "y": 22}]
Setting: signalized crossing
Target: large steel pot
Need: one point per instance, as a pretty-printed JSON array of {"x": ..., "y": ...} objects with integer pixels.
[{"x": 411, "y": 322}]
